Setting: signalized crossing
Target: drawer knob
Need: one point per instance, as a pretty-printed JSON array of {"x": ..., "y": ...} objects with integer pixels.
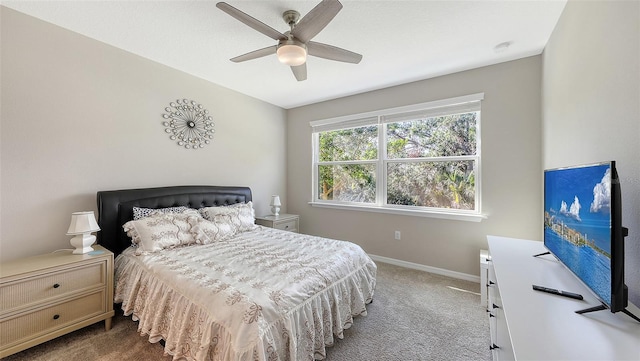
[
  {"x": 493, "y": 347},
  {"x": 495, "y": 306},
  {"x": 286, "y": 227},
  {"x": 55, "y": 317},
  {"x": 56, "y": 285}
]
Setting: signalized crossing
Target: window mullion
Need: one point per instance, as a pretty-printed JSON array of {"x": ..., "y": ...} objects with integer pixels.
[
  {"x": 346, "y": 162},
  {"x": 315, "y": 158},
  {"x": 432, "y": 159},
  {"x": 381, "y": 185},
  {"x": 477, "y": 170}
]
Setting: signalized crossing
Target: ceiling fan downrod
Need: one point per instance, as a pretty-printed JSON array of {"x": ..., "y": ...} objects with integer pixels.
[{"x": 291, "y": 17}]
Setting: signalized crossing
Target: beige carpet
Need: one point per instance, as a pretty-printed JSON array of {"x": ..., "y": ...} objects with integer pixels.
[{"x": 414, "y": 316}]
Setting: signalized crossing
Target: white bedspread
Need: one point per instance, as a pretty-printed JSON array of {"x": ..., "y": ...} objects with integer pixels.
[{"x": 262, "y": 295}]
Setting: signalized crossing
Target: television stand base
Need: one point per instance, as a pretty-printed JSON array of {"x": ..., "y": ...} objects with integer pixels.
[
  {"x": 541, "y": 254},
  {"x": 603, "y": 307},
  {"x": 631, "y": 315}
]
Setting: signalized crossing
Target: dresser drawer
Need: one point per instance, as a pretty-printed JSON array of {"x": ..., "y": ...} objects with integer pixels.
[
  {"x": 30, "y": 325},
  {"x": 21, "y": 293},
  {"x": 291, "y": 225}
]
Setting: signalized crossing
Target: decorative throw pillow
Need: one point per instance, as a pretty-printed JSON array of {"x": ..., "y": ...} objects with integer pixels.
[
  {"x": 240, "y": 216},
  {"x": 206, "y": 232},
  {"x": 139, "y": 213},
  {"x": 162, "y": 230}
]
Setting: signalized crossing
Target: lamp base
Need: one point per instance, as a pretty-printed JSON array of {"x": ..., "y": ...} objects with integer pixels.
[
  {"x": 82, "y": 243},
  {"x": 275, "y": 210}
]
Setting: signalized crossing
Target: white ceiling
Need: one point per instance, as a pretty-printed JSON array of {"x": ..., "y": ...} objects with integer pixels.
[{"x": 401, "y": 41}]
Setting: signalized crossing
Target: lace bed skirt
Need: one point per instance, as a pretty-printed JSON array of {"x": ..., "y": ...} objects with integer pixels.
[{"x": 242, "y": 301}]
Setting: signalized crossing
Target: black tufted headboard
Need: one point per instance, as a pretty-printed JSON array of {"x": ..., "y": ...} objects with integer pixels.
[{"x": 115, "y": 208}]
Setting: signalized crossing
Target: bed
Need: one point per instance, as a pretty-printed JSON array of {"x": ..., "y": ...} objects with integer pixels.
[{"x": 255, "y": 293}]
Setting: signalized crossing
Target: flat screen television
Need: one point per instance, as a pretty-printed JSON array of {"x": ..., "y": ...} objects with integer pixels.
[{"x": 583, "y": 229}]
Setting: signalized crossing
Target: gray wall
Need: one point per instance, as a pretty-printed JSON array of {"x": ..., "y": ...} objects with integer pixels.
[
  {"x": 79, "y": 116},
  {"x": 511, "y": 168},
  {"x": 591, "y": 102}
]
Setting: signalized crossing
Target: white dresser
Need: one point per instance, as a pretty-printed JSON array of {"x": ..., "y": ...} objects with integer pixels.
[{"x": 532, "y": 325}]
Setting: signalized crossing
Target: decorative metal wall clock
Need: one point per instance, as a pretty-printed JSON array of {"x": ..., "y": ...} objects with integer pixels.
[{"x": 188, "y": 123}]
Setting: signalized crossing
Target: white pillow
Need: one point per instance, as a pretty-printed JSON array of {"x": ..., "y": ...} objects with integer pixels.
[
  {"x": 162, "y": 230},
  {"x": 206, "y": 232},
  {"x": 139, "y": 212},
  {"x": 240, "y": 216}
]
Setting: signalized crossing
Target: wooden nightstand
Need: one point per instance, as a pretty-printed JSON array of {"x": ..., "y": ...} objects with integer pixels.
[
  {"x": 47, "y": 296},
  {"x": 285, "y": 222}
]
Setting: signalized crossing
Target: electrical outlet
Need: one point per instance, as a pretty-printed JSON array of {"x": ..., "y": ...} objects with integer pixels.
[{"x": 398, "y": 236}]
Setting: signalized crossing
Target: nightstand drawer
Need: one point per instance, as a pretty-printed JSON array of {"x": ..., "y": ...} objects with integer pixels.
[
  {"x": 20, "y": 293},
  {"x": 30, "y": 325},
  {"x": 285, "y": 222},
  {"x": 287, "y": 226}
]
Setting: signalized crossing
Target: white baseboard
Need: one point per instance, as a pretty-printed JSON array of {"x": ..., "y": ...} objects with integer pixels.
[{"x": 421, "y": 267}]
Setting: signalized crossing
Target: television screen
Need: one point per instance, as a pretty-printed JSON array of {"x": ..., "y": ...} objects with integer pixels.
[{"x": 578, "y": 223}]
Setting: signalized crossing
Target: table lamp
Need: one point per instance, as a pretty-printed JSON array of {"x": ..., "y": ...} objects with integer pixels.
[
  {"x": 275, "y": 205},
  {"x": 82, "y": 224}
]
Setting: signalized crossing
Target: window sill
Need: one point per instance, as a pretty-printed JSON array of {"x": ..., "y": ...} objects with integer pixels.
[{"x": 469, "y": 217}]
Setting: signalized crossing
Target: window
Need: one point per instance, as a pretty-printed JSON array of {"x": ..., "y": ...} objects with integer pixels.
[{"x": 422, "y": 159}]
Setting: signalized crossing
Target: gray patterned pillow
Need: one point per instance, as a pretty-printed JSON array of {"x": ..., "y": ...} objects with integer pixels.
[{"x": 139, "y": 213}]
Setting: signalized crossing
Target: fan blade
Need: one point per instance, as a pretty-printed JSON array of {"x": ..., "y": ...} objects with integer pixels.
[
  {"x": 312, "y": 23},
  {"x": 255, "y": 54},
  {"x": 300, "y": 72},
  {"x": 332, "y": 53},
  {"x": 251, "y": 21}
]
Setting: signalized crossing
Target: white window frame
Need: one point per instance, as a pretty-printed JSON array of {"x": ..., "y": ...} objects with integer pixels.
[{"x": 381, "y": 118}]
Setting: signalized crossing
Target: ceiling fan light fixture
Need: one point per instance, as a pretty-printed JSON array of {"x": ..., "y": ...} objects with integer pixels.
[
  {"x": 294, "y": 45},
  {"x": 292, "y": 53}
]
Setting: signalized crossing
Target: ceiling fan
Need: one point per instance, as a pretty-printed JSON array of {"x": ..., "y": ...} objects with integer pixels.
[{"x": 294, "y": 45}]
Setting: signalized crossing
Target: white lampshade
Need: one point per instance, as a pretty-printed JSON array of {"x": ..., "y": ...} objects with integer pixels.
[
  {"x": 275, "y": 205},
  {"x": 292, "y": 54},
  {"x": 275, "y": 200},
  {"x": 82, "y": 224}
]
